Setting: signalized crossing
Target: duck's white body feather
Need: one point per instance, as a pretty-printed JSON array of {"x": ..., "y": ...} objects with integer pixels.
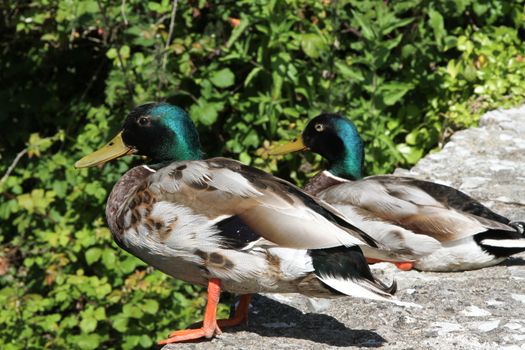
[{"x": 460, "y": 255}]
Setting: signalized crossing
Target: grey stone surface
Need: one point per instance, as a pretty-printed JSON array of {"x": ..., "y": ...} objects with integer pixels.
[{"x": 483, "y": 309}]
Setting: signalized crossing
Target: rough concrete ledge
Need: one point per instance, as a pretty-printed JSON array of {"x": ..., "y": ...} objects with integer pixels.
[{"x": 483, "y": 309}]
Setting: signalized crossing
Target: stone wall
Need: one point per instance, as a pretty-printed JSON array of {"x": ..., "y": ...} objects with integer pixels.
[{"x": 482, "y": 309}]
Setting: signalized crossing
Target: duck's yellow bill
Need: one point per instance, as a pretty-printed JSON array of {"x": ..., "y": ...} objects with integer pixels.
[
  {"x": 289, "y": 147},
  {"x": 113, "y": 149}
]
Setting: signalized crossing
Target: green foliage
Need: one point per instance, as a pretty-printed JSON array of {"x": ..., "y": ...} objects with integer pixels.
[
  {"x": 248, "y": 72},
  {"x": 487, "y": 74}
]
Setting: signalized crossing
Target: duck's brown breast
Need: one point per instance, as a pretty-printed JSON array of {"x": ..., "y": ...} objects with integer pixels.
[{"x": 121, "y": 195}]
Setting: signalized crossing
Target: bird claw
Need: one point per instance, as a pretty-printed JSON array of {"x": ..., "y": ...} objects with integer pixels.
[{"x": 191, "y": 334}]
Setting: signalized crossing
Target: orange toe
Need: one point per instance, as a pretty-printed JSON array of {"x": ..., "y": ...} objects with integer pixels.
[
  {"x": 190, "y": 334},
  {"x": 207, "y": 332}
]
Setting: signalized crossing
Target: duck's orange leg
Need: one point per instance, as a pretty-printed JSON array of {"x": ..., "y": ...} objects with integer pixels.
[
  {"x": 241, "y": 313},
  {"x": 209, "y": 325}
]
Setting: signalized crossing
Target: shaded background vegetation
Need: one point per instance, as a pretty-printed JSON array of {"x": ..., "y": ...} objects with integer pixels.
[{"x": 407, "y": 73}]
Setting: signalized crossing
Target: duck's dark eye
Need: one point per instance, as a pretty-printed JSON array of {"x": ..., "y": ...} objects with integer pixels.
[
  {"x": 319, "y": 127},
  {"x": 143, "y": 121}
]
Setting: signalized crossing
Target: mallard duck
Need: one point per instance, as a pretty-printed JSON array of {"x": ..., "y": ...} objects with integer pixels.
[
  {"x": 225, "y": 225},
  {"x": 470, "y": 235}
]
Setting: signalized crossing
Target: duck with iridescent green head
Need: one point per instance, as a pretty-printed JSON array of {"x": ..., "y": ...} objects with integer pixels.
[
  {"x": 225, "y": 225},
  {"x": 470, "y": 235}
]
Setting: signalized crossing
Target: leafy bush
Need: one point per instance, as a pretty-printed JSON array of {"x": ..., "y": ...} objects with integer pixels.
[{"x": 249, "y": 72}]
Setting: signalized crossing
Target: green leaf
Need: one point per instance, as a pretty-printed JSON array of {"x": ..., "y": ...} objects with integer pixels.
[
  {"x": 103, "y": 289},
  {"x": 349, "y": 72},
  {"x": 111, "y": 53},
  {"x": 251, "y": 75},
  {"x": 109, "y": 258},
  {"x": 145, "y": 341},
  {"x": 92, "y": 255},
  {"x": 393, "y": 92},
  {"x": 150, "y": 306},
  {"x": 124, "y": 52},
  {"x": 130, "y": 263},
  {"x": 36, "y": 144},
  {"x": 206, "y": 112},
  {"x": 245, "y": 158},
  {"x": 470, "y": 72},
  {"x": 120, "y": 323},
  {"x": 132, "y": 311},
  {"x": 100, "y": 314},
  {"x": 130, "y": 342},
  {"x": 396, "y": 24},
  {"x": 365, "y": 25},
  {"x": 437, "y": 23},
  {"x": 88, "y": 324},
  {"x": 453, "y": 68},
  {"x": 237, "y": 31},
  {"x": 411, "y": 154},
  {"x": 313, "y": 45},
  {"x": 222, "y": 78},
  {"x": 26, "y": 201},
  {"x": 88, "y": 341}
]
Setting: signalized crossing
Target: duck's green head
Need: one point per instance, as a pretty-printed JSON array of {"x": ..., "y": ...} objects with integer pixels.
[
  {"x": 336, "y": 139},
  {"x": 160, "y": 131}
]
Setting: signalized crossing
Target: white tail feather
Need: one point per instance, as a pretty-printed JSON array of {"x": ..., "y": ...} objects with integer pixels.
[{"x": 505, "y": 243}]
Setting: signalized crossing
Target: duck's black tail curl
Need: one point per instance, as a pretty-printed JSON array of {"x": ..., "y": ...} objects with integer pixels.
[
  {"x": 519, "y": 226},
  {"x": 344, "y": 271}
]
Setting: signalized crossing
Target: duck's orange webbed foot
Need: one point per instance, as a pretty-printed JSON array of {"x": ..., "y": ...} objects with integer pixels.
[
  {"x": 209, "y": 327},
  {"x": 405, "y": 266}
]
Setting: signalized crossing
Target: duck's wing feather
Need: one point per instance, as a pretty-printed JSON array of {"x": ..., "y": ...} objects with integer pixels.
[
  {"x": 276, "y": 210},
  {"x": 451, "y": 198},
  {"x": 419, "y": 206}
]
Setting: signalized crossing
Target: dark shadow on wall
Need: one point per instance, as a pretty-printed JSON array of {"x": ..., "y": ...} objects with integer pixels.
[
  {"x": 513, "y": 261},
  {"x": 269, "y": 318}
]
